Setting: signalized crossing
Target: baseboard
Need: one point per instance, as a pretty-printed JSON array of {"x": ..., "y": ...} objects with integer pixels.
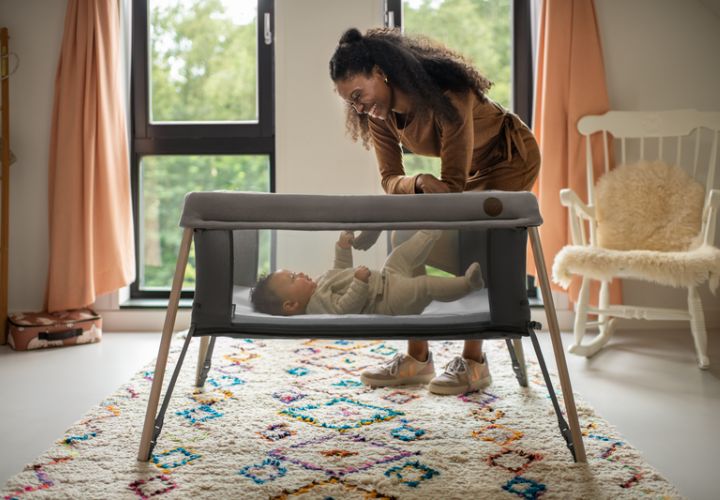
[{"x": 141, "y": 320}]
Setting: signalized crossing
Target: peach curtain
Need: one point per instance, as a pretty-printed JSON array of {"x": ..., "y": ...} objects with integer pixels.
[
  {"x": 570, "y": 83},
  {"x": 90, "y": 215}
]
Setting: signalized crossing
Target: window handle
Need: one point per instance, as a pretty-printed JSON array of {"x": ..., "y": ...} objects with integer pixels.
[
  {"x": 267, "y": 30},
  {"x": 391, "y": 19}
]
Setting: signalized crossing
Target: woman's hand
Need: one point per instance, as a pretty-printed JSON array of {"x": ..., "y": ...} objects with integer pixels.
[
  {"x": 365, "y": 239},
  {"x": 427, "y": 183}
]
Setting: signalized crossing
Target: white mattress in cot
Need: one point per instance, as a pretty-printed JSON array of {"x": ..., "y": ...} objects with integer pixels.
[{"x": 469, "y": 314}]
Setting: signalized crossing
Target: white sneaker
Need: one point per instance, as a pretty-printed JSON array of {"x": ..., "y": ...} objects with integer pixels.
[
  {"x": 461, "y": 375},
  {"x": 403, "y": 369}
]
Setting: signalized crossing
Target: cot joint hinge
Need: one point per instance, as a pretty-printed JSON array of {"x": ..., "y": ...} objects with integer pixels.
[{"x": 156, "y": 433}]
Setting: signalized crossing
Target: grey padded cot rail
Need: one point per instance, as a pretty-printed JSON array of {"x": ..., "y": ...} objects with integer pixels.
[{"x": 493, "y": 229}]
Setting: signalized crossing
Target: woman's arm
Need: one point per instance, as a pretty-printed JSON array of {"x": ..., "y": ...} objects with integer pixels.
[{"x": 389, "y": 158}]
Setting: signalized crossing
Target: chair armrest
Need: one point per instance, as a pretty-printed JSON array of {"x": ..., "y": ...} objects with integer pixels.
[
  {"x": 570, "y": 199},
  {"x": 577, "y": 211}
]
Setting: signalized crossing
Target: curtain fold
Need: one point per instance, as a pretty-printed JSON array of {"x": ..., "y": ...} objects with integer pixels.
[
  {"x": 90, "y": 214},
  {"x": 570, "y": 83}
]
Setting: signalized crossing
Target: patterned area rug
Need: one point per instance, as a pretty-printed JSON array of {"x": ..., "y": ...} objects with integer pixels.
[{"x": 289, "y": 419}]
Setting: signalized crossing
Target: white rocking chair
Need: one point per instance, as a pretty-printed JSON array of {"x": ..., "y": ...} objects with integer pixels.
[{"x": 676, "y": 138}]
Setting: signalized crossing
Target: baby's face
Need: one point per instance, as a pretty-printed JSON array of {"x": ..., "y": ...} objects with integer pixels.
[{"x": 294, "y": 287}]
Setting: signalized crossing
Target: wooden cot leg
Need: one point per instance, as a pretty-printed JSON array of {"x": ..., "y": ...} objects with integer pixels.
[
  {"x": 520, "y": 355},
  {"x": 554, "y": 328},
  {"x": 202, "y": 354},
  {"x": 161, "y": 362}
]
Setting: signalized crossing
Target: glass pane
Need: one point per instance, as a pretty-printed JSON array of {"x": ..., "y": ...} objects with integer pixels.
[
  {"x": 416, "y": 164},
  {"x": 164, "y": 181},
  {"x": 203, "y": 60}
]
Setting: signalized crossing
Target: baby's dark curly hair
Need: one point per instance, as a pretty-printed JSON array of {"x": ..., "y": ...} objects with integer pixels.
[
  {"x": 264, "y": 299},
  {"x": 420, "y": 67}
]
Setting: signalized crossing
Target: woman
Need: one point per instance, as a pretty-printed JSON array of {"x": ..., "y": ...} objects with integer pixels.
[{"x": 414, "y": 92}]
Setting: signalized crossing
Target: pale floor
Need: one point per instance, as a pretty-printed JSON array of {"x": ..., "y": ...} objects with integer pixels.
[{"x": 646, "y": 383}]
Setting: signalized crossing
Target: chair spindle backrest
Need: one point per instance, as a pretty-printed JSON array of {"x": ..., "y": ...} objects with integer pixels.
[{"x": 659, "y": 135}]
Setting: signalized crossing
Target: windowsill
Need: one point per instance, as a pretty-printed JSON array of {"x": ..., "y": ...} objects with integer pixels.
[{"x": 153, "y": 304}]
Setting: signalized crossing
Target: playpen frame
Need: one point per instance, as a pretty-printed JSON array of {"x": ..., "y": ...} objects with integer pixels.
[{"x": 153, "y": 421}]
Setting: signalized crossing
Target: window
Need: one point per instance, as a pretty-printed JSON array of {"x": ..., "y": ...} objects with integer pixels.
[{"x": 202, "y": 118}]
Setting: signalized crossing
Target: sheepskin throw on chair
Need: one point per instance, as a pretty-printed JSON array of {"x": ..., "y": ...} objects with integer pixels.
[{"x": 649, "y": 216}]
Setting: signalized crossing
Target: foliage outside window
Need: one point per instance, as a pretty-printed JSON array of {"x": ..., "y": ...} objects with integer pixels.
[{"x": 203, "y": 118}]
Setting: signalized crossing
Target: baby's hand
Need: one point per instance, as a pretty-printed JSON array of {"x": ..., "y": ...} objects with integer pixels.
[
  {"x": 346, "y": 239},
  {"x": 362, "y": 273}
]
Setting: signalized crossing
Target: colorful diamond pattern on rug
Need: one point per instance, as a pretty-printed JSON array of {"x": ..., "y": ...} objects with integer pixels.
[
  {"x": 298, "y": 371},
  {"x": 152, "y": 487},
  {"x": 261, "y": 473},
  {"x": 201, "y": 414},
  {"x": 412, "y": 473},
  {"x": 276, "y": 432},
  {"x": 288, "y": 396},
  {"x": 319, "y": 455},
  {"x": 400, "y": 397},
  {"x": 241, "y": 356},
  {"x": 349, "y": 362},
  {"x": 525, "y": 488},
  {"x": 224, "y": 381},
  {"x": 42, "y": 480},
  {"x": 498, "y": 434},
  {"x": 341, "y": 414},
  {"x": 172, "y": 459},
  {"x": 407, "y": 432},
  {"x": 515, "y": 461},
  {"x": 288, "y": 419},
  {"x": 332, "y": 488}
]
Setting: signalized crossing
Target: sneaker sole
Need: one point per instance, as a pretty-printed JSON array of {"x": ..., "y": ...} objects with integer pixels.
[
  {"x": 417, "y": 379},
  {"x": 452, "y": 390}
]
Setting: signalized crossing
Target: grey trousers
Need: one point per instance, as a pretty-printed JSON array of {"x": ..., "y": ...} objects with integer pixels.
[{"x": 404, "y": 293}]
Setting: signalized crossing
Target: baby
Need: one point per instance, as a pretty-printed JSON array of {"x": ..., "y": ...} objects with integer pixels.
[{"x": 347, "y": 290}]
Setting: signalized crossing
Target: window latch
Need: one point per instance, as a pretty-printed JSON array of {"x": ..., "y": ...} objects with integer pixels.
[{"x": 267, "y": 30}]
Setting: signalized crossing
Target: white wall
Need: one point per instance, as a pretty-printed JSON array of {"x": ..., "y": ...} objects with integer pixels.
[
  {"x": 313, "y": 153},
  {"x": 659, "y": 54},
  {"x": 35, "y": 28},
  {"x": 662, "y": 54}
]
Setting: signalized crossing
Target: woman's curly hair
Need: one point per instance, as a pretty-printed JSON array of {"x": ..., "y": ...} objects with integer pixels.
[{"x": 417, "y": 65}]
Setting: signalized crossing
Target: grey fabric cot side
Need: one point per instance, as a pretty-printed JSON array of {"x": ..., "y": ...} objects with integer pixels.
[{"x": 493, "y": 229}]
